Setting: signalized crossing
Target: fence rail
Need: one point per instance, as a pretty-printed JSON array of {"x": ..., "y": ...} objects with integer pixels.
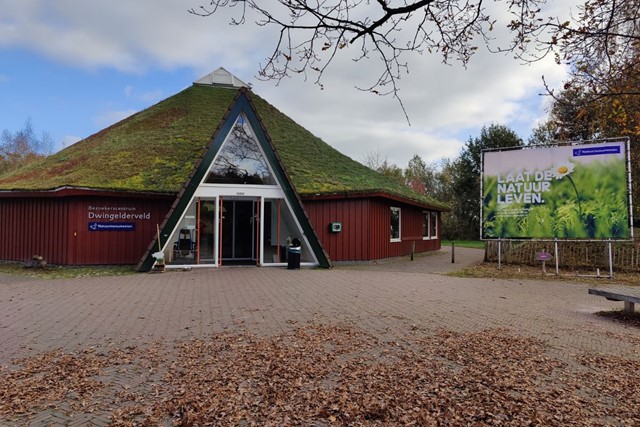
[{"x": 571, "y": 255}]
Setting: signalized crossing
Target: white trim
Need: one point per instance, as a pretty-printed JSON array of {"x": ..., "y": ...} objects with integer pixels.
[
  {"x": 239, "y": 191},
  {"x": 275, "y": 264},
  {"x": 228, "y": 192},
  {"x": 426, "y": 215},
  {"x": 216, "y": 231},
  {"x": 260, "y": 254},
  {"x": 433, "y": 214}
]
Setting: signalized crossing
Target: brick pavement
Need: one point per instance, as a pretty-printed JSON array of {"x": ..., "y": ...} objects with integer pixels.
[{"x": 383, "y": 298}]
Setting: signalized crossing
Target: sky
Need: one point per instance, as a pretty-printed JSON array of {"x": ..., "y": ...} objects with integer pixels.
[{"x": 74, "y": 68}]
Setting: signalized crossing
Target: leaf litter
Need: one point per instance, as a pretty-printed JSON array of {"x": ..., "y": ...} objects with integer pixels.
[{"x": 322, "y": 375}]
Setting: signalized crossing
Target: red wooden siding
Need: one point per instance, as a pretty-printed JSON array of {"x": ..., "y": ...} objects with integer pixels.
[
  {"x": 365, "y": 228},
  {"x": 353, "y": 242},
  {"x": 410, "y": 230},
  {"x": 112, "y": 247},
  {"x": 57, "y": 229},
  {"x": 31, "y": 227}
]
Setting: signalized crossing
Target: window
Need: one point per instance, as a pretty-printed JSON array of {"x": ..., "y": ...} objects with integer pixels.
[
  {"x": 429, "y": 225},
  {"x": 426, "y": 227},
  {"x": 434, "y": 225},
  {"x": 395, "y": 224},
  {"x": 240, "y": 160}
]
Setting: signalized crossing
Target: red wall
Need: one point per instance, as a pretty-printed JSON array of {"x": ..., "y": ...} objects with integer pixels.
[
  {"x": 353, "y": 242},
  {"x": 57, "y": 228},
  {"x": 31, "y": 227},
  {"x": 365, "y": 228},
  {"x": 112, "y": 247}
]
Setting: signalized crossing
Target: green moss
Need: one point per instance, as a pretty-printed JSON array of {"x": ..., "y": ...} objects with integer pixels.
[
  {"x": 317, "y": 168},
  {"x": 156, "y": 149},
  {"x": 149, "y": 151}
]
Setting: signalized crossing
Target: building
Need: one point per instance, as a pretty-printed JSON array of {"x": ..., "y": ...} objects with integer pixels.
[{"x": 211, "y": 176}]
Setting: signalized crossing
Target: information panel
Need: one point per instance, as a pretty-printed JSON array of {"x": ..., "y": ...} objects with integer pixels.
[{"x": 564, "y": 192}]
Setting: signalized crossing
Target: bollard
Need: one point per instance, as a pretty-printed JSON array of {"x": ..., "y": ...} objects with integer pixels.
[{"x": 453, "y": 252}]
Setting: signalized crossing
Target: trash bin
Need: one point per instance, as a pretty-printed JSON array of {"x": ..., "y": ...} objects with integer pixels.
[{"x": 293, "y": 255}]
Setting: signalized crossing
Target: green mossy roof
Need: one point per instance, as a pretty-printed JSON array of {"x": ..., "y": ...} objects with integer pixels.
[{"x": 155, "y": 151}]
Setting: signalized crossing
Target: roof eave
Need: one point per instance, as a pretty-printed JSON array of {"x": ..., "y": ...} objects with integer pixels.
[
  {"x": 69, "y": 190},
  {"x": 374, "y": 193}
]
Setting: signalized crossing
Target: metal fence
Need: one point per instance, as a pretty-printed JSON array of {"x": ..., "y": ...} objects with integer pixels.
[{"x": 574, "y": 255}]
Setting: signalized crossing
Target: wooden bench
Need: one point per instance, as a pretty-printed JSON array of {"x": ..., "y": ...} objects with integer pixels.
[{"x": 630, "y": 295}]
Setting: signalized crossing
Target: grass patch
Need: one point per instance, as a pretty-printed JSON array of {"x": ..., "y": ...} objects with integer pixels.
[
  {"x": 475, "y": 244},
  {"x": 65, "y": 272},
  {"x": 489, "y": 270}
]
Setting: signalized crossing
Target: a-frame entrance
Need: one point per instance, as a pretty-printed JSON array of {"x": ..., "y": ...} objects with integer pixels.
[{"x": 242, "y": 210}]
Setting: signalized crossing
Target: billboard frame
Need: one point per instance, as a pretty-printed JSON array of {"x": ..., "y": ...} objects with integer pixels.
[{"x": 627, "y": 144}]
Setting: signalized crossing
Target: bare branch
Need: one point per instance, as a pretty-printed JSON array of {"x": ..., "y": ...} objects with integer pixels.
[{"x": 599, "y": 41}]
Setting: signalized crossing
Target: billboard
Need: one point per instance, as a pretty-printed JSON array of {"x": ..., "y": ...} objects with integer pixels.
[{"x": 565, "y": 192}]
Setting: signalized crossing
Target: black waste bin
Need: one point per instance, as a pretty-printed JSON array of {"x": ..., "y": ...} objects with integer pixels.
[{"x": 293, "y": 255}]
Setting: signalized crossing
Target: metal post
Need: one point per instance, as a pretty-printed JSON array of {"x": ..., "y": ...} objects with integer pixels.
[
  {"x": 499, "y": 254},
  {"x": 555, "y": 255},
  {"x": 610, "y": 261},
  {"x": 453, "y": 252},
  {"x": 198, "y": 236}
]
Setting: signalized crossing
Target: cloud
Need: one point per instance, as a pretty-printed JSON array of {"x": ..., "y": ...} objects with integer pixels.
[
  {"x": 147, "y": 97},
  {"x": 127, "y": 36},
  {"x": 108, "y": 118},
  {"x": 445, "y": 104}
]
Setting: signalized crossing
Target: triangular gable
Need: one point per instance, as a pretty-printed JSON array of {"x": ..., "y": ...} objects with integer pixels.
[
  {"x": 240, "y": 160},
  {"x": 241, "y": 105},
  {"x": 221, "y": 77}
]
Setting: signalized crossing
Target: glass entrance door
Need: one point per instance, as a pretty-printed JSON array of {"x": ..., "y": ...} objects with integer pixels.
[
  {"x": 238, "y": 232},
  {"x": 206, "y": 231}
]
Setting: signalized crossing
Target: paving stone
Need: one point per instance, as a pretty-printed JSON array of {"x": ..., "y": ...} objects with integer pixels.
[{"x": 382, "y": 298}]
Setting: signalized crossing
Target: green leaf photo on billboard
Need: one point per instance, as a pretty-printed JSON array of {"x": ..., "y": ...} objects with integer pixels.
[{"x": 565, "y": 192}]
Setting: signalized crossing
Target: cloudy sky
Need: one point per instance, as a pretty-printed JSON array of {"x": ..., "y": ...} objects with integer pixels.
[{"x": 75, "y": 67}]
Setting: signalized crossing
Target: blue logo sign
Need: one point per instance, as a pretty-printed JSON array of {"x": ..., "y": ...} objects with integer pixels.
[
  {"x": 596, "y": 151},
  {"x": 112, "y": 226}
]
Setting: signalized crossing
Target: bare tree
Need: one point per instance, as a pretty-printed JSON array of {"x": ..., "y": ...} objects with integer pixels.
[
  {"x": 379, "y": 163},
  {"x": 23, "y": 146},
  {"x": 313, "y": 32},
  {"x": 373, "y": 159}
]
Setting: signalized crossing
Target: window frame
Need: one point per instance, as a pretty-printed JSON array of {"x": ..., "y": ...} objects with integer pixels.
[
  {"x": 391, "y": 216},
  {"x": 430, "y": 221},
  {"x": 426, "y": 220},
  {"x": 433, "y": 224}
]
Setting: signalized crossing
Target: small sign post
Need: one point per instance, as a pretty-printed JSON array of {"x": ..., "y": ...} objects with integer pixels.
[{"x": 544, "y": 257}]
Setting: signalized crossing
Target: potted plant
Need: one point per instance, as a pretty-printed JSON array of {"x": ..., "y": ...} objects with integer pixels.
[{"x": 159, "y": 265}]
